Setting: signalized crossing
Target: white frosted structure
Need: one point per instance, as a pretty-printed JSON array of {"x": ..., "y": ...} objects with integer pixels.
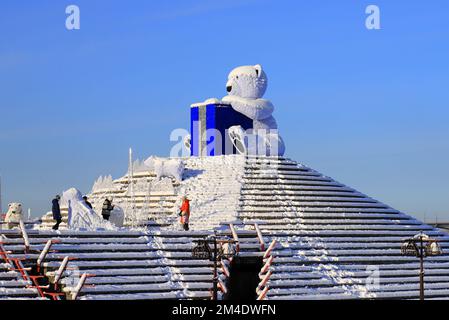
[
  {"x": 117, "y": 217},
  {"x": 140, "y": 166},
  {"x": 331, "y": 240},
  {"x": 103, "y": 183},
  {"x": 246, "y": 86},
  {"x": 80, "y": 216}
]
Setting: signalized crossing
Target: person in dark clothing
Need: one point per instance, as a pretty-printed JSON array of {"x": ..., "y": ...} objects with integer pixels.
[
  {"x": 56, "y": 210},
  {"x": 86, "y": 201},
  {"x": 107, "y": 208}
]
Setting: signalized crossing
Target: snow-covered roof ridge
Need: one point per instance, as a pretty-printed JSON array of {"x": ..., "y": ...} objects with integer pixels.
[{"x": 209, "y": 101}]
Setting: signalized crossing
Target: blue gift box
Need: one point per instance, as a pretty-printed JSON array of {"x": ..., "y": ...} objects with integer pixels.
[{"x": 211, "y": 121}]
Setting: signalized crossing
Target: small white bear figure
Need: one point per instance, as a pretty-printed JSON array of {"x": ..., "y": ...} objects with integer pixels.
[
  {"x": 246, "y": 86},
  {"x": 14, "y": 215},
  {"x": 172, "y": 168}
]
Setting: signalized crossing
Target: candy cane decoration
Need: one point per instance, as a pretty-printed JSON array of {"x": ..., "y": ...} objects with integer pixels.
[
  {"x": 260, "y": 237},
  {"x": 267, "y": 265},
  {"x": 61, "y": 269},
  {"x": 270, "y": 248},
  {"x": 263, "y": 294},
  {"x": 26, "y": 240},
  {"x": 235, "y": 236}
]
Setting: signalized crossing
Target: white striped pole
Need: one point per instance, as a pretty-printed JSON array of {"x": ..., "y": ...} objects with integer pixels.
[
  {"x": 78, "y": 288},
  {"x": 61, "y": 269},
  {"x": 44, "y": 253},
  {"x": 267, "y": 265},
  {"x": 260, "y": 237},
  {"x": 26, "y": 240},
  {"x": 270, "y": 248}
]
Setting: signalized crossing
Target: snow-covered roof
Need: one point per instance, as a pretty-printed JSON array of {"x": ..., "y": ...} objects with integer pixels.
[
  {"x": 332, "y": 242},
  {"x": 208, "y": 102}
]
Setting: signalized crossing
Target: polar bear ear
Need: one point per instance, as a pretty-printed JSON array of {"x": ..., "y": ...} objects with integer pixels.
[
  {"x": 258, "y": 68},
  {"x": 9, "y": 205}
]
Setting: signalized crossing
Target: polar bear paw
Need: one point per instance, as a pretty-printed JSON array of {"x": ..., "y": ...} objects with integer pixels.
[
  {"x": 237, "y": 136},
  {"x": 257, "y": 142}
]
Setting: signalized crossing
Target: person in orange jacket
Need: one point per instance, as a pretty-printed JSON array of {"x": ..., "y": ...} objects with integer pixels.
[{"x": 184, "y": 213}]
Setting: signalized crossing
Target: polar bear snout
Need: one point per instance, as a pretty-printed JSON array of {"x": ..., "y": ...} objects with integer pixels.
[{"x": 229, "y": 88}]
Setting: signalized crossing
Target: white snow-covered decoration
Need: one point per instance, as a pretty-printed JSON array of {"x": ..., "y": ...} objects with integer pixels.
[
  {"x": 166, "y": 168},
  {"x": 150, "y": 162},
  {"x": 246, "y": 86},
  {"x": 14, "y": 214},
  {"x": 117, "y": 217},
  {"x": 103, "y": 183},
  {"x": 80, "y": 216},
  {"x": 140, "y": 166}
]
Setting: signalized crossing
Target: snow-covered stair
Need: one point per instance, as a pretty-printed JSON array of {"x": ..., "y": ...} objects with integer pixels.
[
  {"x": 213, "y": 184},
  {"x": 12, "y": 284},
  {"x": 124, "y": 264},
  {"x": 332, "y": 240}
]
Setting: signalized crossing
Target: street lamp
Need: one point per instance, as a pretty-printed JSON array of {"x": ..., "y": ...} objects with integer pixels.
[
  {"x": 222, "y": 249},
  {"x": 421, "y": 246}
]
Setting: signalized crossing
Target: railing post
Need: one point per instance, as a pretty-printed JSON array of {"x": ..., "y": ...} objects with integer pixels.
[
  {"x": 264, "y": 281},
  {"x": 43, "y": 254},
  {"x": 265, "y": 273},
  {"x": 260, "y": 237},
  {"x": 270, "y": 248},
  {"x": 78, "y": 288},
  {"x": 61, "y": 270},
  {"x": 263, "y": 294},
  {"x": 267, "y": 265},
  {"x": 235, "y": 237},
  {"x": 26, "y": 240}
]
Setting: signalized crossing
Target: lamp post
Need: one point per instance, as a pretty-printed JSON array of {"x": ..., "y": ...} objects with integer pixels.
[
  {"x": 421, "y": 246},
  {"x": 203, "y": 251}
]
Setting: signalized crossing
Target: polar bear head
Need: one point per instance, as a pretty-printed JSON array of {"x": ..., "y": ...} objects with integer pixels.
[
  {"x": 14, "y": 214},
  {"x": 247, "y": 82},
  {"x": 15, "y": 208}
]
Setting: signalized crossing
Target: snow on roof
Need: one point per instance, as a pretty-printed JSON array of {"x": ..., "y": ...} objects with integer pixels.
[{"x": 332, "y": 242}]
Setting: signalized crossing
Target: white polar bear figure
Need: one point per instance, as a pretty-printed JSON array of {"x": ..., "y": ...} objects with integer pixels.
[
  {"x": 246, "y": 86},
  {"x": 166, "y": 168},
  {"x": 14, "y": 215}
]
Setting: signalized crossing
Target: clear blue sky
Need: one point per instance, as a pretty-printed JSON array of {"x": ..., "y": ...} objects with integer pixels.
[{"x": 368, "y": 108}]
